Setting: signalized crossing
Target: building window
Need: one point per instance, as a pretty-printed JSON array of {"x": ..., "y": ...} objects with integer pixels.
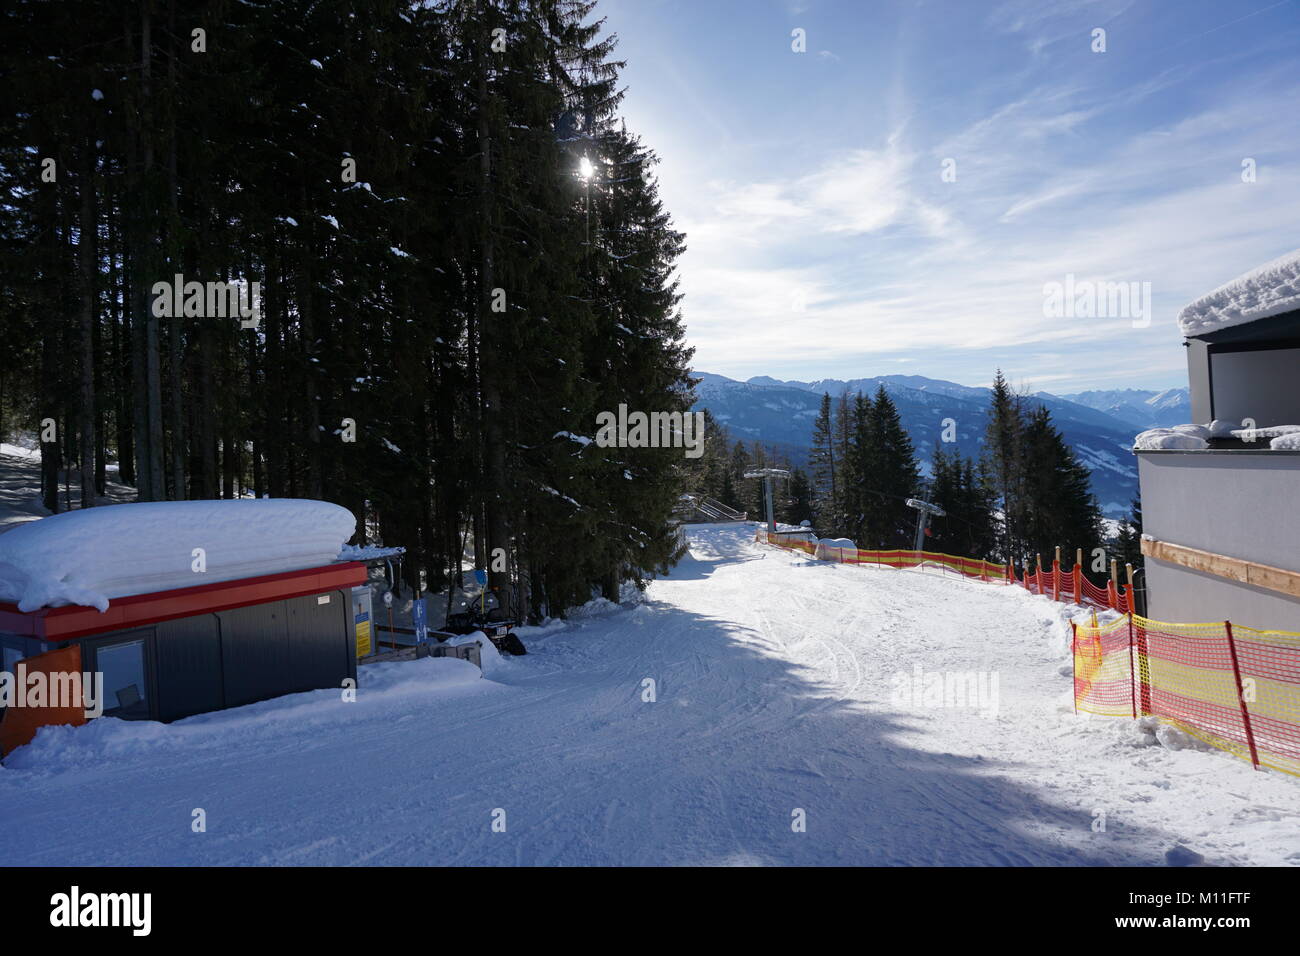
[{"x": 126, "y": 688}]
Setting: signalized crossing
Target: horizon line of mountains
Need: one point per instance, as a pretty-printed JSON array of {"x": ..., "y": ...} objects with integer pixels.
[{"x": 1098, "y": 424}]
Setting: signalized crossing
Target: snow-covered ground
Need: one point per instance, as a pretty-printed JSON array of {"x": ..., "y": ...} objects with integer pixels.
[
  {"x": 777, "y": 699},
  {"x": 20, "y": 486}
]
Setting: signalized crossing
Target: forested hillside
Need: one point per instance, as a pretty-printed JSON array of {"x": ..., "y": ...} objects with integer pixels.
[{"x": 459, "y": 249}]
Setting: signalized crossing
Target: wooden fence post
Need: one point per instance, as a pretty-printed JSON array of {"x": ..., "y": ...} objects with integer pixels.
[
  {"x": 1038, "y": 574},
  {"x": 1113, "y": 587},
  {"x": 1078, "y": 576},
  {"x": 1128, "y": 567},
  {"x": 1056, "y": 575},
  {"x": 1241, "y": 694},
  {"x": 1074, "y": 652}
]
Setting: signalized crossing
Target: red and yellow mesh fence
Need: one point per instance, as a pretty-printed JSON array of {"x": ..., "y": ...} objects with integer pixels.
[{"x": 1235, "y": 688}]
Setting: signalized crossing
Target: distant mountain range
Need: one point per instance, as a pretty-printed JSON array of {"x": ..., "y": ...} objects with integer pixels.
[
  {"x": 1140, "y": 407},
  {"x": 1099, "y": 425}
]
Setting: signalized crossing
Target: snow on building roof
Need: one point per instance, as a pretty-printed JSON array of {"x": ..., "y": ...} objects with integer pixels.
[
  {"x": 368, "y": 552},
  {"x": 1269, "y": 290},
  {"x": 89, "y": 556}
]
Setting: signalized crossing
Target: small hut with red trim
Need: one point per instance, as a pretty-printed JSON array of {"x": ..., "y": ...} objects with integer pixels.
[{"x": 94, "y": 592}]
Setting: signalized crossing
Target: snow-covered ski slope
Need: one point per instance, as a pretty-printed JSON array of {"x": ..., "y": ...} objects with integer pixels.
[{"x": 776, "y": 692}]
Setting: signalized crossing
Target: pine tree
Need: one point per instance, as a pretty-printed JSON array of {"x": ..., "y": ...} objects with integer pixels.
[
  {"x": 1058, "y": 503},
  {"x": 897, "y": 476},
  {"x": 861, "y": 504},
  {"x": 962, "y": 491},
  {"x": 1128, "y": 538},
  {"x": 1003, "y": 460},
  {"x": 823, "y": 465}
]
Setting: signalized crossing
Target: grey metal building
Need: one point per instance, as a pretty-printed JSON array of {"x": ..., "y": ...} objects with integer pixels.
[{"x": 1222, "y": 523}]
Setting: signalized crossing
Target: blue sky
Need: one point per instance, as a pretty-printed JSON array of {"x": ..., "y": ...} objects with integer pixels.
[{"x": 813, "y": 180}]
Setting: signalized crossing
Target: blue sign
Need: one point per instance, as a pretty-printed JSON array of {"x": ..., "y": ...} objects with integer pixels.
[
  {"x": 420, "y": 618},
  {"x": 480, "y": 578}
]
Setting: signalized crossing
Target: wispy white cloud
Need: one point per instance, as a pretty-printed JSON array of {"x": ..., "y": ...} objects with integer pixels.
[{"x": 813, "y": 253}]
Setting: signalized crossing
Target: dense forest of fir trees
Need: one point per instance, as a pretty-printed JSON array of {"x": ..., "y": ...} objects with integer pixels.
[{"x": 402, "y": 181}]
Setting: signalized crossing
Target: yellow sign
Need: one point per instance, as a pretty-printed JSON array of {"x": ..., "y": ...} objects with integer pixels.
[{"x": 363, "y": 635}]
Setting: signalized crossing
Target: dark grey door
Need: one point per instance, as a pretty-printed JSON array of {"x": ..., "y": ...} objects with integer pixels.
[
  {"x": 189, "y": 667},
  {"x": 319, "y": 647},
  {"x": 255, "y": 658}
]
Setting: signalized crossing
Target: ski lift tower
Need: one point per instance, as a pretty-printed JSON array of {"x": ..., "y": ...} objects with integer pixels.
[
  {"x": 924, "y": 510},
  {"x": 767, "y": 474}
]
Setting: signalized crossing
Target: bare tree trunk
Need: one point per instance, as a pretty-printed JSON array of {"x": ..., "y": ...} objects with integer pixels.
[
  {"x": 51, "y": 366},
  {"x": 257, "y": 425},
  {"x": 498, "y": 534},
  {"x": 207, "y": 413},
  {"x": 175, "y": 340},
  {"x": 150, "y": 436},
  {"x": 307, "y": 331},
  {"x": 272, "y": 443},
  {"x": 87, "y": 255}
]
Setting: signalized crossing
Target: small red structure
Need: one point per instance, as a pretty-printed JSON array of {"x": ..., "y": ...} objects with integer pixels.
[{"x": 172, "y": 654}]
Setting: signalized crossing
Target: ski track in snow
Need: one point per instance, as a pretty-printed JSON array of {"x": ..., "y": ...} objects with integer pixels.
[{"x": 774, "y": 678}]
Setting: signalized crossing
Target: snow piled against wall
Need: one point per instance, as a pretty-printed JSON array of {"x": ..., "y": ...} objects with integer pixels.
[
  {"x": 388, "y": 692},
  {"x": 1270, "y": 290},
  {"x": 88, "y": 557},
  {"x": 1157, "y": 439}
]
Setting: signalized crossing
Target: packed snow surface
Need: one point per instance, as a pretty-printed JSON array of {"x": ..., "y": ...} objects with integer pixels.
[
  {"x": 1269, "y": 290},
  {"x": 92, "y": 555},
  {"x": 754, "y": 689}
]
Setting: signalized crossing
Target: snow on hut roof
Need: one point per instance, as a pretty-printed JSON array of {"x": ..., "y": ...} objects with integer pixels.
[
  {"x": 1269, "y": 290},
  {"x": 90, "y": 556}
]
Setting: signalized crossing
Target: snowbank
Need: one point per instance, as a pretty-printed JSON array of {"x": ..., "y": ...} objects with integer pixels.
[
  {"x": 489, "y": 657},
  {"x": 387, "y": 692},
  {"x": 1166, "y": 438},
  {"x": 830, "y": 549},
  {"x": 90, "y": 556},
  {"x": 1269, "y": 290},
  {"x": 1287, "y": 442},
  {"x": 1265, "y": 433}
]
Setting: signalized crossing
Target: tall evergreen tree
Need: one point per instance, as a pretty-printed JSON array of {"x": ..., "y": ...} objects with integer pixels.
[
  {"x": 1058, "y": 505},
  {"x": 896, "y": 477},
  {"x": 823, "y": 467},
  {"x": 437, "y": 280},
  {"x": 1003, "y": 461}
]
